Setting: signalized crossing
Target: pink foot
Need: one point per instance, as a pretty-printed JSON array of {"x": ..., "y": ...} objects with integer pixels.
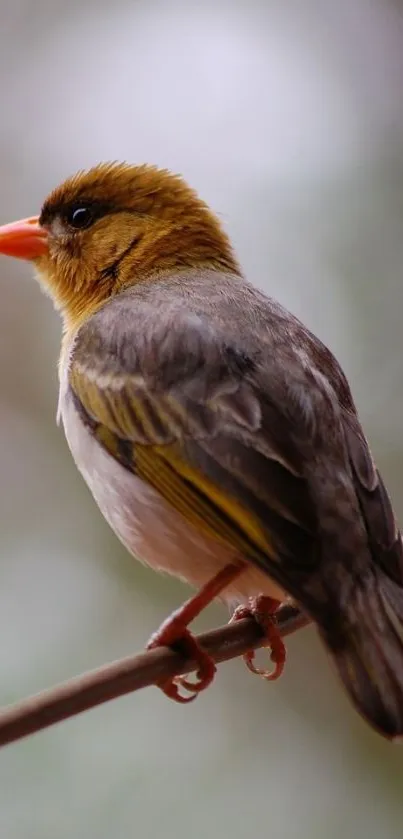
[
  {"x": 263, "y": 609},
  {"x": 187, "y": 645},
  {"x": 174, "y": 633}
]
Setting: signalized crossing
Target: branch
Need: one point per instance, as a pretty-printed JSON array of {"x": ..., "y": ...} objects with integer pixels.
[{"x": 132, "y": 673}]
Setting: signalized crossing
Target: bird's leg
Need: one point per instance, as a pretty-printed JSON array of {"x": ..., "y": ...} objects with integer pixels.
[
  {"x": 174, "y": 633},
  {"x": 263, "y": 610}
]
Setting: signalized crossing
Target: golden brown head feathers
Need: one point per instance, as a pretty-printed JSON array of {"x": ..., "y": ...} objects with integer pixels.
[{"x": 118, "y": 224}]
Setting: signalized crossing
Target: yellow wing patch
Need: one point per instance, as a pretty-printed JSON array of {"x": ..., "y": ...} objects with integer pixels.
[
  {"x": 127, "y": 408},
  {"x": 201, "y": 502},
  {"x": 127, "y": 413},
  {"x": 190, "y": 493}
]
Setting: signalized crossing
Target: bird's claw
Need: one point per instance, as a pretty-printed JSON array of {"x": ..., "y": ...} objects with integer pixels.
[
  {"x": 185, "y": 643},
  {"x": 174, "y": 633},
  {"x": 262, "y": 609}
]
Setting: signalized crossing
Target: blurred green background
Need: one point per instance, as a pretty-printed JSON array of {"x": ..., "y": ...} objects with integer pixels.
[{"x": 288, "y": 118}]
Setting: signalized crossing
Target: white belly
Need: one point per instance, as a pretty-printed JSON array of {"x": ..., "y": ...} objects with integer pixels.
[{"x": 147, "y": 525}]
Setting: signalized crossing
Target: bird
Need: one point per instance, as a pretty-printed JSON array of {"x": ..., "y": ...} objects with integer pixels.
[{"x": 217, "y": 434}]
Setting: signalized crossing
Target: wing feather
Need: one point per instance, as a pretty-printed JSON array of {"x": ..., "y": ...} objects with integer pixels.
[
  {"x": 203, "y": 432},
  {"x": 376, "y": 508}
]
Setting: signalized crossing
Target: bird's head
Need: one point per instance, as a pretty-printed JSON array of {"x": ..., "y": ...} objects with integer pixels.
[{"x": 111, "y": 227}]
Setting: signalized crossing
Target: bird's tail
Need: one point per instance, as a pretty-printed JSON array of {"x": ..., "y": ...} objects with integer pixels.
[{"x": 367, "y": 648}]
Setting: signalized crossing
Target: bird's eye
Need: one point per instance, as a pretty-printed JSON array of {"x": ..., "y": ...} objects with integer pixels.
[{"x": 79, "y": 216}]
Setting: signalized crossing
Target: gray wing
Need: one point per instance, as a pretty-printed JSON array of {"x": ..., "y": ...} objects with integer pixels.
[
  {"x": 383, "y": 535},
  {"x": 176, "y": 403},
  {"x": 384, "y": 538}
]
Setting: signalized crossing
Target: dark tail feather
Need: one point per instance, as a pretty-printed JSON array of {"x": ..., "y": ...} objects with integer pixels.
[{"x": 368, "y": 652}]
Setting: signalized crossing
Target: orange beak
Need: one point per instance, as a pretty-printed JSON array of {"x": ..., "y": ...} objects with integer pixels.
[{"x": 24, "y": 239}]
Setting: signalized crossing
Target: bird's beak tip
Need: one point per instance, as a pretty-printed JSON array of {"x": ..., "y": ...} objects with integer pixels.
[{"x": 24, "y": 239}]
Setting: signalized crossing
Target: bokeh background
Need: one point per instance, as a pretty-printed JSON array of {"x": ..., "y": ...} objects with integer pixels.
[{"x": 288, "y": 118}]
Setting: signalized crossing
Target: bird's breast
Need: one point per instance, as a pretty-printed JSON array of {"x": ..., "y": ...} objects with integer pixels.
[{"x": 148, "y": 526}]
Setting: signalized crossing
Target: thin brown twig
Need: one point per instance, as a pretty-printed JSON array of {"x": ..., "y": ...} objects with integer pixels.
[{"x": 132, "y": 673}]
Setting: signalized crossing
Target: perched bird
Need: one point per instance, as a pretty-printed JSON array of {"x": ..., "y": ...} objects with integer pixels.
[{"x": 218, "y": 436}]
